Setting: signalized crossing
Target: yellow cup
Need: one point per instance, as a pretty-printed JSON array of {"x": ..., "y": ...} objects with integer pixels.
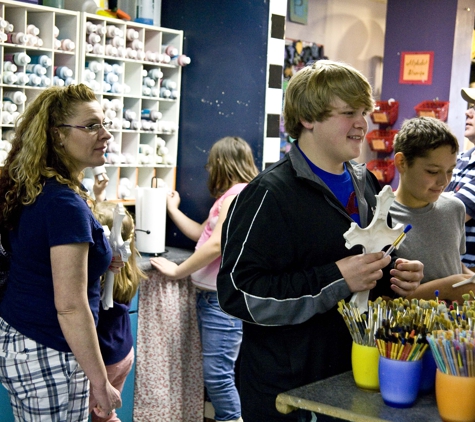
[
  {"x": 364, "y": 361},
  {"x": 455, "y": 397}
]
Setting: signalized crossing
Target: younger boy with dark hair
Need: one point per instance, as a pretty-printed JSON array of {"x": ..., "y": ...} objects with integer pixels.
[{"x": 425, "y": 157}]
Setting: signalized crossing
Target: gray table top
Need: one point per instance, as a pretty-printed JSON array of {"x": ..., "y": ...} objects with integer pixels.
[{"x": 339, "y": 397}]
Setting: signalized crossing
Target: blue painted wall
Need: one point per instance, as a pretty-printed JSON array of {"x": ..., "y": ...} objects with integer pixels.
[
  {"x": 411, "y": 26},
  {"x": 422, "y": 25},
  {"x": 222, "y": 90}
]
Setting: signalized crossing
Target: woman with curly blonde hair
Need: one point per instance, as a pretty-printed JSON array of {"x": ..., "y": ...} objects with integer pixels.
[
  {"x": 114, "y": 328},
  {"x": 49, "y": 351}
]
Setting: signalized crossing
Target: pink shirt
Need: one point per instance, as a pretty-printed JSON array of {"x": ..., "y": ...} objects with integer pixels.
[{"x": 205, "y": 278}]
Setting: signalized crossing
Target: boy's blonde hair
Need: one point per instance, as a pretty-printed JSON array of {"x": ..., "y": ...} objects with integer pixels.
[
  {"x": 230, "y": 161},
  {"x": 127, "y": 281},
  {"x": 311, "y": 90}
]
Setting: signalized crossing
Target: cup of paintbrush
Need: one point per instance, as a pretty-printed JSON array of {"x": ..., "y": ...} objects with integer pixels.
[{"x": 364, "y": 362}]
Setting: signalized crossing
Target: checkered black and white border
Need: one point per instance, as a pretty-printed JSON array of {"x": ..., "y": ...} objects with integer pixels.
[{"x": 275, "y": 62}]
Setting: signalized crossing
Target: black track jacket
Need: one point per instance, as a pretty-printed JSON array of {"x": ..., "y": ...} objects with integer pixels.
[{"x": 280, "y": 241}]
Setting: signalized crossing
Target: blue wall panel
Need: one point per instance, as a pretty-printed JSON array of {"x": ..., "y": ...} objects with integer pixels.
[
  {"x": 422, "y": 25},
  {"x": 222, "y": 90},
  {"x": 411, "y": 26}
]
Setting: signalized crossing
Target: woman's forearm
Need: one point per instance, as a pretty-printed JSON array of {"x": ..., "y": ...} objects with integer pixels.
[{"x": 80, "y": 333}]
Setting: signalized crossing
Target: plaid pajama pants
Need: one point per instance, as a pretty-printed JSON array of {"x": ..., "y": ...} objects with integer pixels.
[{"x": 43, "y": 384}]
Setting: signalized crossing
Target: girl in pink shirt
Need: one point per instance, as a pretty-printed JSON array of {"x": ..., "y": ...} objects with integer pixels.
[{"x": 231, "y": 166}]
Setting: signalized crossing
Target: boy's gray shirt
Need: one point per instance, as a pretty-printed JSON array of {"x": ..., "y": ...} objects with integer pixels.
[{"x": 437, "y": 237}]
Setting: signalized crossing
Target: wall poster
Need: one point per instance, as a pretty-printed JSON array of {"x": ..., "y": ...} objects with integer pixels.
[{"x": 416, "y": 67}]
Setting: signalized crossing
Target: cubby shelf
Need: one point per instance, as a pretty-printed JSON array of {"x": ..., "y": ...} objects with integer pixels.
[{"x": 123, "y": 53}]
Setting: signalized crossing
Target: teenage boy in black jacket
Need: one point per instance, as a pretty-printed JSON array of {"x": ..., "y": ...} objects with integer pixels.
[{"x": 284, "y": 261}]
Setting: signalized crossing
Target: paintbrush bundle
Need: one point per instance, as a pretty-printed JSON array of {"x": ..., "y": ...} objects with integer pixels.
[
  {"x": 453, "y": 351},
  {"x": 401, "y": 342},
  {"x": 399, "y": 327},
  {"x": 362, "y": 326}
]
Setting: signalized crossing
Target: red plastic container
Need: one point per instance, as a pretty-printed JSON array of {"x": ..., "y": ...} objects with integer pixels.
[
  {"x": 437, "y": 109},
  {"x": 385, "y": 112},
  {"x": 382, "y": 169},
  {"x": 381, "y": 140}
]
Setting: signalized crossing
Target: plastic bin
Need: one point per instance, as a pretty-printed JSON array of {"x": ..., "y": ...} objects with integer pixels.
[
  {"x": 381, "y": 140},
  {"x": 437, "y": 109},
  {"x": 385, "y": 112},
  {"x": 382, "y": 169}
]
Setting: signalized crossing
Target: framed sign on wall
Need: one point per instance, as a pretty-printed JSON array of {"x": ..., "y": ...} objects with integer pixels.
[{"x": 416, "y": 67}]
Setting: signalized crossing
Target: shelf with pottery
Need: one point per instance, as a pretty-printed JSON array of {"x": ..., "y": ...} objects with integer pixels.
[
  {"x": 37, "y": 49},
  {"x": 134, "y": 69},
  {"x": 135, "y": 72}
]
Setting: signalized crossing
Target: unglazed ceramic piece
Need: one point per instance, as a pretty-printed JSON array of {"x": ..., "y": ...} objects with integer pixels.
[{"x": 374, "y": 237}]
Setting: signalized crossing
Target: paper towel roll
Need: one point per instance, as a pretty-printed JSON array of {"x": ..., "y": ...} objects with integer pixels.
[{"x": 150, "y": 215}]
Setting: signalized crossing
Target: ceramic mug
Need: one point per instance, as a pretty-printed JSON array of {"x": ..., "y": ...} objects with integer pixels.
[
  {"x": 364, "y": 362},
  {"x": 455, "y": 397},
  {"x": 399, "y": 381}
]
